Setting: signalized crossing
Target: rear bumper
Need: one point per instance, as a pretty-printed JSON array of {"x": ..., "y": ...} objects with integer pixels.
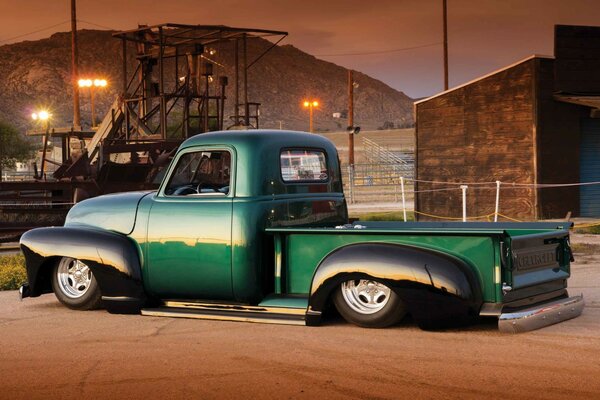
[
  {"x": 541, "y": 315},
  {"x": 24, "y": 291}
]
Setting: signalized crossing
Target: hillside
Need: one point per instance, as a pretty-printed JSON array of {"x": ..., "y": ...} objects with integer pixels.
[{"x": 35, "y": 74}]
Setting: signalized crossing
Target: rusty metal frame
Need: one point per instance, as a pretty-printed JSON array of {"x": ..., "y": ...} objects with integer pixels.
[{"x": 164, "y": 42}]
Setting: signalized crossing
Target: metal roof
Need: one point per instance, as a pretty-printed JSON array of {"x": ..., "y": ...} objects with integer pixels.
[
  {"x": 588, "y": 100},
  {"x": 180, "y": 34}
]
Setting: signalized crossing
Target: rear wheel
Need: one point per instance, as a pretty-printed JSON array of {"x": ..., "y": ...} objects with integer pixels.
[
  {"x": 368, "y": 303},
  {"x": 75, "y": 286}
]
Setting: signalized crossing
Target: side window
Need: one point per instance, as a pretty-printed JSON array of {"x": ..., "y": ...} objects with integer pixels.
[
  {"x": 202, "y": 172},
  {"x": 303, "y": 166}
]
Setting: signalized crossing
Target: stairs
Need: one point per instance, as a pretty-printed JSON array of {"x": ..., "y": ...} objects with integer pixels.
[{"x": 108, "y": 127}]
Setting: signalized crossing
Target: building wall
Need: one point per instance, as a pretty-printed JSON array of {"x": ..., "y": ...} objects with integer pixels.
[
  {"x": 481, "y": 132},
  {"x": 558, "y": 146}
]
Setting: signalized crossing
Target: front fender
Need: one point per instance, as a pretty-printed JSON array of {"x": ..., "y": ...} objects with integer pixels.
[
  {"x": 112, "y": 257},
  {"x": 433, "y": 285}
]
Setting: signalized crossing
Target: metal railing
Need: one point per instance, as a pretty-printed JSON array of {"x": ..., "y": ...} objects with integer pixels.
[
  {"x": 378, "y": 183},
  {"x": 377, "y": 154}
]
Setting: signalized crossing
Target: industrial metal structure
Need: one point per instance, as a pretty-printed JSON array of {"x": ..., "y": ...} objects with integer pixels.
[{"x": 175, "y": 84}]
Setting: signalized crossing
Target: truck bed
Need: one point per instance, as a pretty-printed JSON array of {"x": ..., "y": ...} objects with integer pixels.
[{"x": 300, "y": 250}]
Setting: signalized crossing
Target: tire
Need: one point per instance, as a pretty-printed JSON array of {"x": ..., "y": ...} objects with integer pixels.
[
  {"x": 75, "y": 286},
  {"x": 368, "y": 303}
]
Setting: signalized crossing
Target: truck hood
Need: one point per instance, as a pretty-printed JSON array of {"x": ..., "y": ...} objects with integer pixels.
[{"x": 113, "y": 212}]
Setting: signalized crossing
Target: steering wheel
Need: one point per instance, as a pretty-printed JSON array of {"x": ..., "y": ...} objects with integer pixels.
[
  {"x": 204, "y": 185},
  {"x": 185, "y": 190}
]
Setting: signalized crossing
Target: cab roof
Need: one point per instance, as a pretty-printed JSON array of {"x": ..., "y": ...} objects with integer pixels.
[{"x": 259, "y": 139}]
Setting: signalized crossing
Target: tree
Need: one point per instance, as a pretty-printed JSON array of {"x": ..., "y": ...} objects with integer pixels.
[{"x": 14, "y": 148}]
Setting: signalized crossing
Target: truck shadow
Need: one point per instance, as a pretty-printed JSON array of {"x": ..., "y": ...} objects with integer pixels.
[{"x": 333, "y": 318}]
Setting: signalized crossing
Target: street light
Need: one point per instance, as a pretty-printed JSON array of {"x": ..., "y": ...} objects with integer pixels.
[
  {"x": 96, "y": 83},
  {"x": 44, "y": 117},
  {"x": 310, "y": 104}
]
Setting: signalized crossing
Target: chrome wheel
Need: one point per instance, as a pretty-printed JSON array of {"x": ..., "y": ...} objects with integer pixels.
[
  {"x": 365, "y": 296},
  {"x": 73, "y": 277}
]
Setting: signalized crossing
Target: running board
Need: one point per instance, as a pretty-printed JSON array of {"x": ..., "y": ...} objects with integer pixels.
[{"x": 229, "y": 312}]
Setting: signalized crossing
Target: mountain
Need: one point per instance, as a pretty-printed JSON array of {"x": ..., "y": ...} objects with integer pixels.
[{"x": 36, "y": 74}]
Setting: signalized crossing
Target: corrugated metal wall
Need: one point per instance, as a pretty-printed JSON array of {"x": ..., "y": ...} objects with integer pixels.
[{"x": 590, "y": 167}]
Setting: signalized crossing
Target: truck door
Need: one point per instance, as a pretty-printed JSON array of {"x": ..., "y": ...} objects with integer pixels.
[{"x": 189, "y": 228}]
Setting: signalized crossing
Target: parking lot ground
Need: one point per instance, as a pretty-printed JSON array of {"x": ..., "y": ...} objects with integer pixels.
[{"x": 50, "y": 352}]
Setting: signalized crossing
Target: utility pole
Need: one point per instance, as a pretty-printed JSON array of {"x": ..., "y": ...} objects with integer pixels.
[
  {"x": 350, "y": 118},
  {"x": 445, "y": 45},
  {"x": 74, "y": 67}
]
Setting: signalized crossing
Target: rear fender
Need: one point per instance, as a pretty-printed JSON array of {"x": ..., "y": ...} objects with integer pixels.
[
  {"x": 433, "y": 285},
  {"x": 113, "y": 259}
]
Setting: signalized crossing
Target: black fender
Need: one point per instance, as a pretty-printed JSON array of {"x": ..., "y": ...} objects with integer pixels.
[
  {"x": 112, "y": 257},
  {"x": 434, "y": 286}
]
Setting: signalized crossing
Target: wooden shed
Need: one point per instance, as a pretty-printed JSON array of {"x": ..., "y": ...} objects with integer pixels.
[{"x": 535, "y": 122}]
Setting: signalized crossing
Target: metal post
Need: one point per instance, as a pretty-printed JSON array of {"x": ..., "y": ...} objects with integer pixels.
[
  {"x": 124, "y": 55},
  {"x": 351, "y": 183},
  {"x": 310, "y": 113},
  {"x": 445, "y": 46},
  {"x": 497, "y": 201},
  {"x": 237, "y": 83},
  {"x": 74, "y": 66},
  {"x": 350, "y": 117},
  {"x": 92, "y": 103},
  {"x": 246, "y": 105},
  {"x": 464, "y": 202},
  {"x": 161, "y": 86},
  {"x": 45, "y": 148},
  {"x": 403, "y": 198},
  {"x": 206, "y": 110}
]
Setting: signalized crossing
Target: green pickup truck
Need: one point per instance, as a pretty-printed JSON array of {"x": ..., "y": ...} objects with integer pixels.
[{"x": 253, "y": 226}]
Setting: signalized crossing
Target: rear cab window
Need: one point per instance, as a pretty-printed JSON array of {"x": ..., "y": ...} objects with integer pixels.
[{"x": 303, "y": 165}]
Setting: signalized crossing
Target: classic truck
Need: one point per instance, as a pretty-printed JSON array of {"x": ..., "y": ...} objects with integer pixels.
[{"x": 253, "y": 226}]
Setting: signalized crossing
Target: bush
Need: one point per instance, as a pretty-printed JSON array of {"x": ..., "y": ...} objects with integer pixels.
[
  {"x": 595, "y": 230},
  {"x": 385, "y": 216},
  {"x": 12, "y": 272}
]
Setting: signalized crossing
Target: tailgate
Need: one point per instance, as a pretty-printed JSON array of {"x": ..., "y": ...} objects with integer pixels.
[{"x": 537, "y": 259}]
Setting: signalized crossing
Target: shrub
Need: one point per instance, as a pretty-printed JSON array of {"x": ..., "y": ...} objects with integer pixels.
[
  {"x": 12, "y": 272},
  {"x": 385, "y": 216},
  {"x": 595, "y": 229}
]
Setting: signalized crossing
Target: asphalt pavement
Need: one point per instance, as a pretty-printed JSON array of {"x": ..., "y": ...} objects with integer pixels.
[{"x": 50, "y": 352}]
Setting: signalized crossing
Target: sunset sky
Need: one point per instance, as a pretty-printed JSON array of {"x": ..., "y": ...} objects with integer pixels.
[{"x": 367, "y": 36}]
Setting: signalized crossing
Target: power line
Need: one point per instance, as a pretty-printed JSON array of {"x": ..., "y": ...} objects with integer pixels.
[
  {"x": 366, "y": 53},
  {"x": 32, "y": 32},
  {"x": 97, "y": 25},
  {"x": 54, "y": 26}
]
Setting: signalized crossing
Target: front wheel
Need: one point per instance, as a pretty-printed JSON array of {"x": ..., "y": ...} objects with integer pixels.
[
  {"x": 75, "y": 286},
  {"x": 368, "y": 303}
]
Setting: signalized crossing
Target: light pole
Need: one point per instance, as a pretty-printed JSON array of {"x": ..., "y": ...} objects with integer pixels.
[
  {"x": 96, "y": 83},
  {"x": 310, "y": 104},
  {"x": 44, "y": 117}
]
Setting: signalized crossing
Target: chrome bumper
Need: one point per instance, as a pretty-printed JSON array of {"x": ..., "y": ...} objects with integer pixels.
[
  {"x": 541, "y": 315},
  {"x": 24, "y": 291}
]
